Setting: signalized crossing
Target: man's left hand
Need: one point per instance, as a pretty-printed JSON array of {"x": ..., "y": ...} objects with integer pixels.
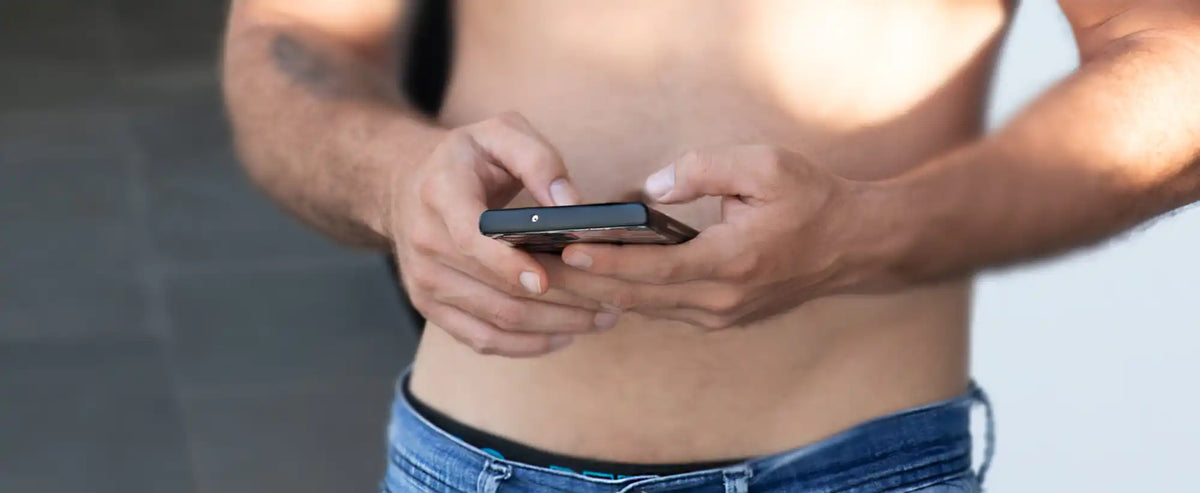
[{"x": 787, "y": 235}]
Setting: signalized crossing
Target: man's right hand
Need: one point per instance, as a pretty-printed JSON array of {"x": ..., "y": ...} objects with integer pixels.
[
  {"x": 486, "y": 294},
  {"x": 354, "y": 162}
]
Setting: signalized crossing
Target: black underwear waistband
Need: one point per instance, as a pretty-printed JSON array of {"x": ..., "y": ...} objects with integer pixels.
[{"x": 504, "y": 448}]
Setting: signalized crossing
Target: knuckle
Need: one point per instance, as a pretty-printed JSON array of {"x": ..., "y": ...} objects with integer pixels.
[
  {"x": 428, "y": 191},
  {"x": 584, "y": 320},
  {"x": 466, "y": 247},
  {"x": 542, "y": 156},
  {"x": 509, "y": 288},
  {"x": 510, "y": 118},
  {"x": 422, "y": 303},
  {"x": 486, "y": 343},
  {"x": 484, "y": 127},
  {"x": 623, "y": 299},
  {"x": 423, "y": 283},
  {"x": 508, "y": 121},
  {"x": 771, "y": 161},
  {"x": 456, "y": 137},
  {"x": 541, "y": 345},
  {"x": 772, "y": 169},
  {"x": 423, "y": 241},
  {"x": 665, "y": 271},
  {"x": 422, "y": 279},
  {"x": 508, "y": 316},
  {"x": 438, "y": 186},
  {"x": 533, "y": 153},
  {"x": 713, "y": 322},
  {"x": 455, "y": 146},
  {"x": 727, "y": 322},
  {"x": 693, "y": 160},
  {"x": 741, "y": 267},
  {"x": 723, "y": 302}
]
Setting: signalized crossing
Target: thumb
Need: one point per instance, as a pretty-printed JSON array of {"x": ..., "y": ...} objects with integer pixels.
[
  {"x": 520, "y": 151},
  {"x": 701, "y": 173}
]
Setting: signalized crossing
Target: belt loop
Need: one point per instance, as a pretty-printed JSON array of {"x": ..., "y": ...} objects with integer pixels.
[
  {"x": 492, "y": 475},
  {"x": 737, "y": 479},
  {"x": 989, "y": 437}
]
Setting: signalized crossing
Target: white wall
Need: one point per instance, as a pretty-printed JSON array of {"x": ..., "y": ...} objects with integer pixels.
[{"x": 1091, "y": 360}]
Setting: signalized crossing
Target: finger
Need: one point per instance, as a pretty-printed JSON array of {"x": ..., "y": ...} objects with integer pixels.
[
  {"x": 624, "y": 295},
  {"x": 696, "y": 318},
  {"x": 721, "y": 311},
  {"x": 510, "y": 313},
  {"x": 555, "y": 293},
  {"x": 514, "y": 145},
  {"x": 487, "y": 339},
  {"x": 734, "y": 171},
  {"x": 705, "y": 257},
  {"x": 708, "y": 319},
  {"x": 473, "y": 269},
  {"x": 520, "y": 272},
  {"x": 459, "y": 210}
]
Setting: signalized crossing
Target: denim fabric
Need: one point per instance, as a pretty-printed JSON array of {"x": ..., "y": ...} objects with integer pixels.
[{"x": 925, "y": 449}]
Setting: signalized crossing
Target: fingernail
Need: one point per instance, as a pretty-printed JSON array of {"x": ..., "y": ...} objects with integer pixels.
[
  {"x": 532, "y": 282},
  {"x": 661, "y": 182},
  {"x": 606, "y": 320},
  {"x": 578, "y": 260},
  {"x": 563, "y": 193},
  {"x": 559, "y": 341}
]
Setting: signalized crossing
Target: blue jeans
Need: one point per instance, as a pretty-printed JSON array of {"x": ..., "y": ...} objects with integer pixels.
[{"x": 925, "y": 449}]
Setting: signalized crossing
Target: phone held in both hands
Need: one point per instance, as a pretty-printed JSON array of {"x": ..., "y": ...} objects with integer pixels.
[{"x": 550, "y": 229}]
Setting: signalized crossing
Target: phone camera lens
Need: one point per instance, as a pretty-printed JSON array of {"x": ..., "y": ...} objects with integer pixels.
[{"x": 534, "y": 218}]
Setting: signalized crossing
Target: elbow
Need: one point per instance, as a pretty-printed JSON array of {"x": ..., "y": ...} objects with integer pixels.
[
  {"x": 260, "y": 161},
  {"x": 248, "y": 147},
  {"x": 251, "y": 143},
  {"x": 259, "y": 165},
  {"x": 248, "y": 141}
]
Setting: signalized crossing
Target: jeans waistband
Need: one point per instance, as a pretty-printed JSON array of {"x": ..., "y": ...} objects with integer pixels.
[{"x": 860, "y": 454}]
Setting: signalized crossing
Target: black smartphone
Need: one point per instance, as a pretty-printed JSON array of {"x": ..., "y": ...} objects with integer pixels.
[{"x": 550, "y": 229}]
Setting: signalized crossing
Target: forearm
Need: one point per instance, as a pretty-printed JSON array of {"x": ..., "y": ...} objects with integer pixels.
[
  {"x": 320, "y": 126},
  {"x": 1114, "y": 145}
]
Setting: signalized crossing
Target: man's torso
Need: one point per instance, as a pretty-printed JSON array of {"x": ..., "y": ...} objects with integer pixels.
[{"x": 869, "y": 88}]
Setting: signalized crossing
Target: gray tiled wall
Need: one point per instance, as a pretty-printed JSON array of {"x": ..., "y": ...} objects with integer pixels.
[{"x": 164, "y": 328}]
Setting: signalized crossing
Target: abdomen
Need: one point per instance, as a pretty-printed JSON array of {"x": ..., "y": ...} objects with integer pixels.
[{"x": 656, "y": 391}]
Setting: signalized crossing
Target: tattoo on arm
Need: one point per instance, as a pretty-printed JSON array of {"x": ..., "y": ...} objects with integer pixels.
[{"x": 312, "y": 70}]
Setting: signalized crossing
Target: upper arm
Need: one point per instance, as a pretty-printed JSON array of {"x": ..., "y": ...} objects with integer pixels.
[
  {"x": 372, "y": 28},
  {"x": 1098, "y": 23}
]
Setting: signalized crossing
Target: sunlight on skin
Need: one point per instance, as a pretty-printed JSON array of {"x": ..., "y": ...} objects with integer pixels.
[
  {"x": 581, "y": 28},
  {"x": 769, "y": 47},
  {"x": 884, "y": 28}
]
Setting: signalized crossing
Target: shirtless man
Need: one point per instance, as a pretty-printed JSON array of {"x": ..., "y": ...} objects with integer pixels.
[{"x": 814, "y": 336}]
